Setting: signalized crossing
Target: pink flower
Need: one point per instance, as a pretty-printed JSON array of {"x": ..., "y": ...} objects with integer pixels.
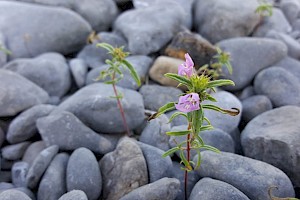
[
  {"x": 186, "y": 69},
  {"x": 188, "y": 103}
]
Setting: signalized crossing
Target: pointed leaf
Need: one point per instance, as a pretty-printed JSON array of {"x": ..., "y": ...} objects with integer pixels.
[
  {"x": 167, "y": 107},
  {"x": 180, "y": 79},
  {"x": 206, "y": 128},
  {"x": 133, "y": 73},
  {"x": 170, "y": 151},
  {"x": 106, "y": 46},
  {"x": 220, "y": 82},
  {"x": 178, "y": 133},
  {"x": 207, "y": 120},
  {"x": 177, "y": 114},
  {"x": 200, "y": 140},
  {"x": 198, "y": 160},
  {"x": 185, "y": 162},
  {"x": 218, "y": 109},
  {"x": 211, "y": 148}
]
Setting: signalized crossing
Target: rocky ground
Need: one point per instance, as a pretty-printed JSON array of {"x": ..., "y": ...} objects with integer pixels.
[{"x": 61, "y": 135}]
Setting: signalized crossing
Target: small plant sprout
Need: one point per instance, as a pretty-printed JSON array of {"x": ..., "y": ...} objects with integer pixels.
[
  {"x": 114, "y": 73},
  {"x": 191, "y": 106},
  {"x": 265, "y": 9}
]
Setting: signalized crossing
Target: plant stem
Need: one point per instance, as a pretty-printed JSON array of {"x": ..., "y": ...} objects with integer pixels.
[{"x": 186, "y": 172}]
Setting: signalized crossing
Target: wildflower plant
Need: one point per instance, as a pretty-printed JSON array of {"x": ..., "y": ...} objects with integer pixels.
[
  {"x": 265, "y": 9},
  {"x": 190, "y": 105},
  {"x": 114, "y": 74}
]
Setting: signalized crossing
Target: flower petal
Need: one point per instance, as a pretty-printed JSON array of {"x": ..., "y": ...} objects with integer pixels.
[{"x": 188, "y": 60}]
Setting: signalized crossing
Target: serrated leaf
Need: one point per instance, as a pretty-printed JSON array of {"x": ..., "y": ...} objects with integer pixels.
[
  {"x": 133, "y": 73},
  {"x": 235, "y": 111},
  {"x": 220, "y": 82},
  {"x": 170, "y": 151},
  {"x": 180, "y": 79},
  {"x": 177, "y": 114},
  {"x": 211, "y": 148},
  {"x": 165, "y": 108},
  {"x": 178, "y": 133}
]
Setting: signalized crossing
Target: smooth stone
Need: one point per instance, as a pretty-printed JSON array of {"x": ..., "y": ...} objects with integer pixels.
[
  {"x": 236, "y": 136},
  {"x": 19, "y": 172},
  {"x": 23, "y": 126},
  {"x": 154, "y": 133},
  {"x": 69, "y": 133},
  {"x": 291, "y": 9},
  {"x": 246, "y": 93},
  {"x": 26, "y": 191},
  {"x": 165, "y": 188},
  {"x": 279, "y": 85},
  {"x": 39, "y": 166},
  {"x": 154, "y": 160},
  {"x": 5, "y": 176},
  {"x": 53, "y": 182},
  {"x": 273, "y": 137},
  {"x": 178, "y": 121},
  {"x": 14, "y": 151},
  {"x": 150, "y": 33},
  {"x": 18, "y": 93},
  {"x": 226, "y": 24},
  {"x": 33, "y": 151},
  {"x": 74, "y": 195},
  {"x": 49, "y": 71},
  {"x": 265, "y": 51},
  {"x": 254, "y": 106},
  {"x": 6, "y": 186},
  {"x": 90, "y": 182},
  {"x": 290, "y": 64},
  {"x": 13, "y": 194},
  {"x": 211, "y": 189},
  {"x": 91, "y": 102},
  {"x": 252, "y": 177},
  {"x": 79, "y": 70},
  {"x": 123, "y": 170}
]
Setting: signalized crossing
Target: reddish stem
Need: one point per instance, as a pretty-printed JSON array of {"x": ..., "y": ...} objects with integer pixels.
[{"x": 186, "y": 172}]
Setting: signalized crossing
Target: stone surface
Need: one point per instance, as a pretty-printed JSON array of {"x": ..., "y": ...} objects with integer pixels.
[
  {"x": 279, "y": 85},
  {"x": 14, "y": 151},
  {"x": 74, "y": 195},
  {"x": 252, "y": 177},
  {"x": 290, "y": 64},
  {"x": 66, "y": 31},
  {"x": 18, "y": 173},
  {"x": 94, "y": 106},
  {"x": 23, "y": 126},
  {"x": 273, "y": 137},
  {"x": 83, "y": 173},
  {"x": 69, "y": 133},
  {"x": 242, "y": 51},
  {"x": 165, "y": 188},
  {"x": 18, "y": 93},
  {"x": 123, "y": 170},
  {"x": 178, "y": 121},
  {"x": 291, "y": 9},
  {"x": 53, "y": 182},
  {"x": 33, "y": 151},
  {"x": 246, "y": 93},
  {"x": 3, "y": 55},
  {"x": 211, "y": 189},
  {"x": 78, "y": 69},
  {"x": 13, "y": 194}
]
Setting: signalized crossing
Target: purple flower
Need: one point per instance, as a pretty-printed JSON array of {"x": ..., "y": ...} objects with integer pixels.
[
  {"x": 188, "y": 103},
  {"x": 186, "y": 69}
]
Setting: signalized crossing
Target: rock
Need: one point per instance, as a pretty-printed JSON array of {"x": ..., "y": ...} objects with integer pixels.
[
  {"x": 211, "y": 189},
  {"x": 13, "y": 194},
  {"x": 273, "y": 137},
  {"x": 39, "y": 166},
  {"x": 165, "y": 188},
  {"x": 3, "y": 54},
  {"x": 6, "y": 164},
  {"x": 278, "y": 84},
  {"x": 53, "y": 182},
  {"x": 26, "y": 191},
  {"x": 226, "y": 24},
  {"x": 6, "y": 186},
  {"x": 78, "y": 69},
  {"x": 178, "y": 121},
  {"x": 291, "y": 9},
  {"x": 252, "y": 177},
  {"x": 236, "y": 136},
  {"x": 254, "y": 106},
  {"x": 18, "y": 93},
  {"x": 30, "y": 40},
  {"x": 94, "y": 106},
  {"x": 14, "y": 151},
  {"x": 140, "y": 63},
  {"x": 154, "y": 160},
  {"x": 290, "y": 64},
  {"x": 18, "y": 173},
  {"x": 246, "y": 93},
  {"x": 5, "y": 176},
  {"x": 276, "y": 22},
  {"x": 74, "y": 195},
  {"x": 23, "y": 126},
  {"x": 150, "y": 33},
  {"x": 69, "y": 133},
  {"x": 123, "y": 170},
  {"x": 90, "y": 182},
  {"x": 265, "y": 51},
  {"x": 155, "y": 133},
  {"x": 33, "y": 151}
]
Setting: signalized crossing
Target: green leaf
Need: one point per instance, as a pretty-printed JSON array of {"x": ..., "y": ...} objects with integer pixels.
[
  {"x": 167, "y": 107},
  {"x": 198, "y": 160},
  {"x": 207, "y": 120},
  {"x": 133, "y": 73},
  {"x": 197, "y": 120},
  {"x": 220, "y": 82},
  {"x": 210, "y": 98},
  {"x": 211, "y": 148},
  {"x": 178, "y": 133},
  {"x": 180, "y": 79},
  {"x": 229, "y": 67},
  {"x": 218, "y": 109},
  {"x": 185, "y": 162},
  {"x": 170, "y": 151},
  {"x": 206, "y": 128},
  {"x": 177, "y": 114},
  {"x": 106, "y": 46},
  {"x": 200, "y": 140}
]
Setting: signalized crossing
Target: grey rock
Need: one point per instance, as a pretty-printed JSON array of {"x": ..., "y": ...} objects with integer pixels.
[
  {"x": 273, "y": 137},
  {"x": 278, "y": 84},
  {"x": 5, "y": 176},
  {"x": 94, "y": 106},
  {"x": 155, "y": 161},
  {"x": 13, "y": 194},
  {"x": 69, "y": 133},
  {"x": 49, "y": 71},
  {"x": 83, "y": 173},
  {"x": 291, "y": 9},
  {"x": 236, "y": 136},
  {"x": 74, "y": 195},
  {"x": 33, "y": 151},
  {"x": 78, "y": 69},
  {"x": 18, "y": 93},
  {"x": 178, "y": 121},
  {"x": 290, "y": 64},
  {"x": 26, "y": 191},
  {"x": 144, "y": 28},
  {"x": 123, "y": 170},
  {"x": 246, "y": 92},
  {"x": 14, "y": 151},
  {"x": 242, "y": 51},
  {"x": 30, "y": 40},
  {"x": 53, "y": 182},
  {"x": 23, "y": 126},
  {"x": 154, "y": 133},
  {"x": 254, "y": 106},
  {"x": 252, "y": 177},
  {"x": 19, "y": 172},
  {"x": 210, "y": 189},
  {"x": 39, "y": 166},
  {"x": 226, "y": 24},
  {"x": 6, "y": 164},
  {"x": 165, "y": 188},
  {"x": 6, "y": 186}
]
